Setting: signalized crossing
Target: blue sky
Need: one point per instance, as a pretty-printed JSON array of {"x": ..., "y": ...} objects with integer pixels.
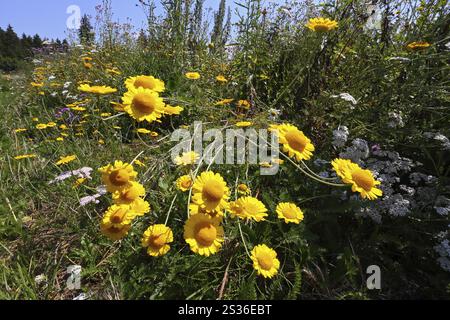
[{"x": 48, "y": 17}]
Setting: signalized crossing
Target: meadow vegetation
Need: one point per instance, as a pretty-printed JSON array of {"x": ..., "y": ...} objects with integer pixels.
[{"x": 360, "y": 98}]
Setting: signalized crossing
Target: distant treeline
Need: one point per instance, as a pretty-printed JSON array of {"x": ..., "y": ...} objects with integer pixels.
[{"x": 14, "y": 49}]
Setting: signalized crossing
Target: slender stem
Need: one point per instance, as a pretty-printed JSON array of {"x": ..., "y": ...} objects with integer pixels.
[
  {"x": 243, "y": 240},
  {"x": 170, "y": 209}
]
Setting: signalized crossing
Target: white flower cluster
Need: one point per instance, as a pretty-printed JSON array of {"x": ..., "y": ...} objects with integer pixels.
[
  {"x": 347, "y": 97},
  {"x": 395, "y": 120},
  {"x": 445, "y": 142},
  {"x": 340, "y": 136},
  {"x": 443, "y": 250},
  {"x": 84, "y": 173},
  {"x": 442, "y": 206},
  {"x": 358, "y": 151},
  {"x": 101, "y": 191}
]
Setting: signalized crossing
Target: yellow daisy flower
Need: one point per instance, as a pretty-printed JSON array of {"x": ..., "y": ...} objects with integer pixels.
[
  {"x": 130, "y": 194},
  {"x": 289, "y": 212},
  {"x": 25, "y": 156},
  {"x": 169, "y": 110},
  {"x": 362, "y": 181},
  {"x": 145, "y": 82},
  {"x": 96, "y": 89},
  {"x": 321, "y": 24},
  {"x": 118, "y": 176},
  {"x": 185, "y": 183},
  {"x": 66, "y": 160},
  {"x": 143, "y": 104},
  {"x": 139, "y": 208},
  {"x": 224, "y": 102},
  {"x": 187, "y": 158},
  {"x": 265, "y": 261},
  {"x": 420, "y": 45},
  {"x": 210, "y": 191},
  {"x": 221, "y": 79},
  {"x": 249, "y": 208},
  {"x": 139, "y": 163},
  {"x": 340, "y": 166},
  {"x": 41, "y": 126},
  {"x": 204, "y": 234},
  {"x": 196, "y": 209},
  {"x": 294, "y": 142},
  {"x": 244, "y": 104},
  {"x": 243, "y": 124},
  {"x": 37, "y": 85},
  {"x": 193, "y": 75},
  {"x": 243, "y": 189},
  {"x": 156, "y": 239},
  {"x": 114, "y": 233},
  {"x": 117, "y": 216}
]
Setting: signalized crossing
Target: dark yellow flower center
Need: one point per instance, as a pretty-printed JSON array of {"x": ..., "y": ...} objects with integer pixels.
[
  {"x": 186, "y": 184},
  {"x": 118, "y": 216},
  {"x": 213, "y": 191},
  {"x": 296, "y": 140},
  {"x": 144, "y": 103},
  {"x": 131, "y": 194},
  {"x": 265, "y": 261},
  {"x": 363, "y": 179},
  {"x": 205, "y": 233},
  {"x": 289, "y": 213},
  {"x": 119, "y": 177},
  {"x": 144, "y": 82},
  {"x": 321, "y": 27},
  {"x": 157, "y": 241}
]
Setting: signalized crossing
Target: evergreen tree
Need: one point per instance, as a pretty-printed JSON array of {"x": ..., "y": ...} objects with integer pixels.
[
  {"x": 37, "y": 41},
  {"x": 217, "y": 37},
  {"x": 86, "y": 33}
]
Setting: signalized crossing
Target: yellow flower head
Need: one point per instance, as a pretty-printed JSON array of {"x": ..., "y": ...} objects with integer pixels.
[
  {"x": 143, "y": 104},
  {"x": 204, "y": 234},
  {"x": 20, "y": 130},
  {"x": 139, "y": 208},
  {"x": 265, "y": 261},
  {"x": 169, "y": 110},
  {"x": 224, "y": 102},
  {"x": 25, "y": 156},
  {"x": 294, "y": 142},
  {"x": 156, "y": 239},
  {"x": 221, "y": 79},
  {"x": 145, "y": 82},
  {"x": 362, "y": 181},
  {"x": 196, "y": 209},
  {"x": 193, "y": 75},
  {"x": 244, "y": 104},
  {"x": 130, "y": 194},
  {"x": 117, "y": 216},
  {"x": 243, "y": 189},
  {"x": 210, "y": 191},
  {"x": 187, "y": 158},
  {"x": 419, "y": 45},
  {"x": 289, "y": 212},
  {"x": 249, "y": 208},
  {"x": 321, "y": 24},
  {"x": 100, "y": 90},
  {"x": 118, "y": 176},
  {"x": 41, "y": 126},
  {"x": 66, "y": 160},
  {"x": 114, "y": 233},
  {"x": 244, "y": 124},
  {"x": 184, "y": 183}
]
